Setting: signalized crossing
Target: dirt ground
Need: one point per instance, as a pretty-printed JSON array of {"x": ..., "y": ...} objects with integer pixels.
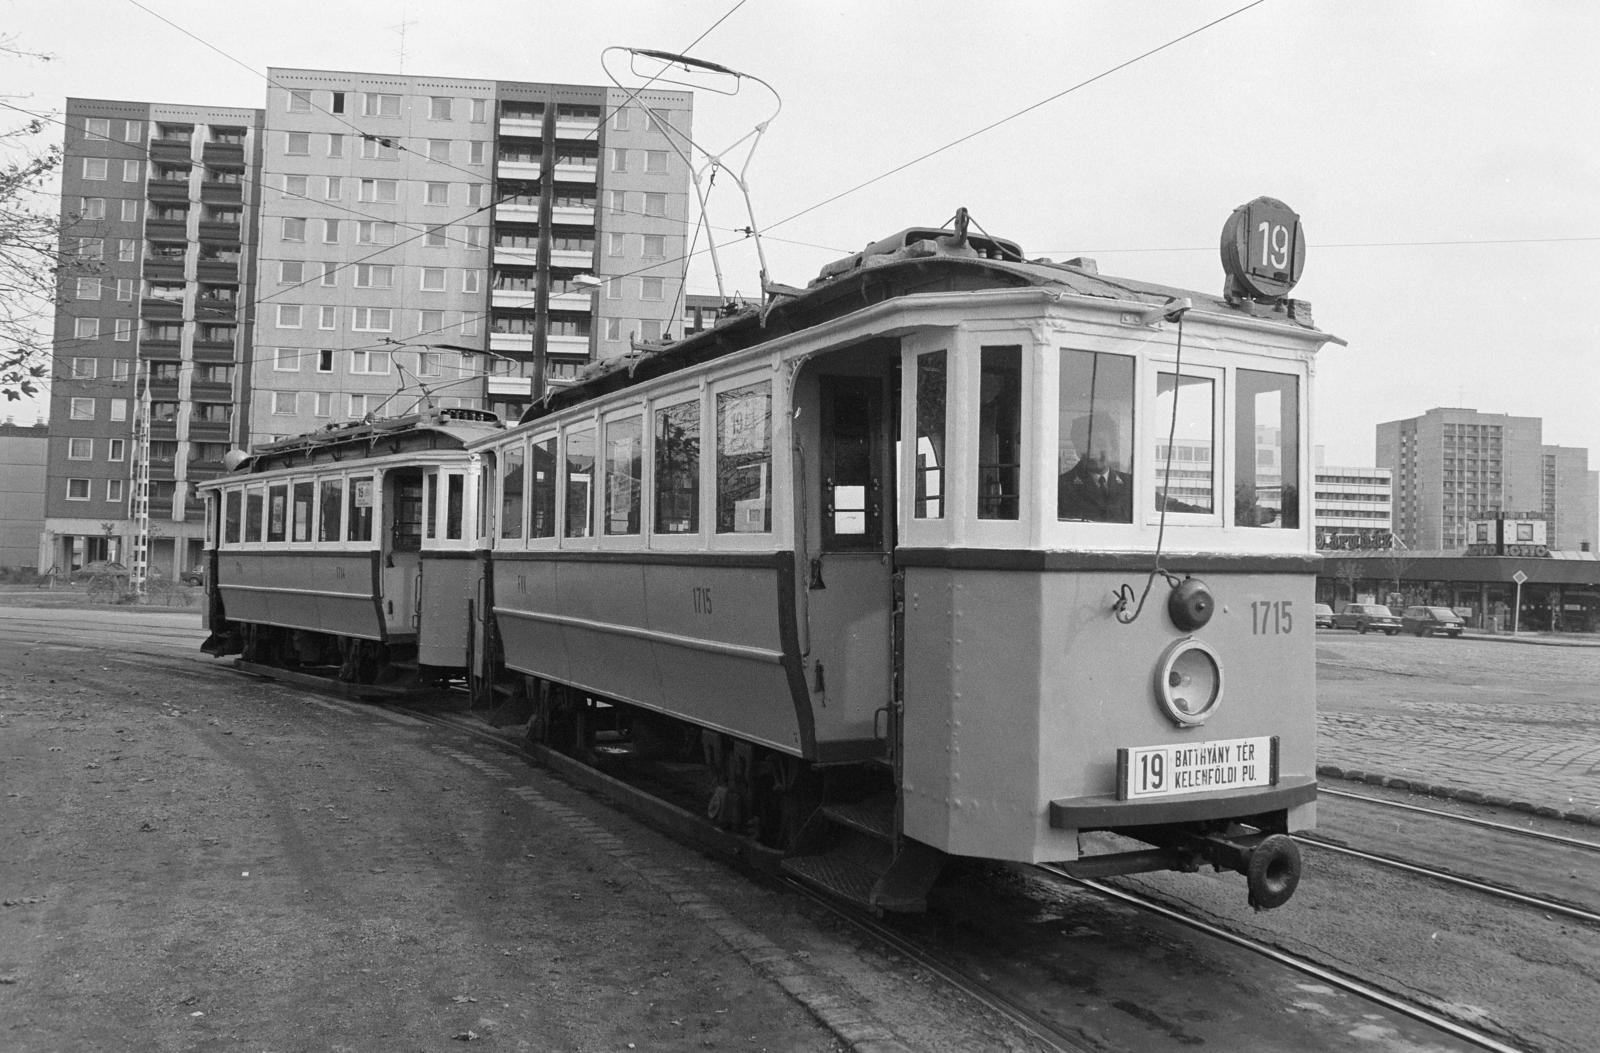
[{"x": 197, "y": 861}]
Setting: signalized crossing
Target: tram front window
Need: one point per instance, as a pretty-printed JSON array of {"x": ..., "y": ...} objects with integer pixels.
[
  {"x": 1094, "y": 471},
  {"x": 1267, "y": 450},
  {"x": 1000, "y": 433}
]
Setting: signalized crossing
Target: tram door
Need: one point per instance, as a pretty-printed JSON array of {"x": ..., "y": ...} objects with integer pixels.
[
  {"x": 849, "y": 582},
  {"x": 402, "y": 555}
]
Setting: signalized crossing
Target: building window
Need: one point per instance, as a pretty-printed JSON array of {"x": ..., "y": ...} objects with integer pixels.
[
  {"x": 92, "y": 207},
  {"x": 650, "y": 288},
  {"x": 294, "y": 186},
  {"x": 471, "y": 281},
  {"x": 613, "y": 288},
  {"x": 97, "y": 127},
  {"x": 650, "y": 330},
  {"x": 291, "y": 272},
  {"x": 655, "y": 161},
  {"x": 433, "y": 279},
  {"x": 289, "y": 316},
  {"x": 476, "y": 151},
  {"x": 92, "y": 248},
  {"x": 294, "y": 228},
  {"x": 88, "y": 288},
  {"x": 130, "y": 171},
  {"x": 617, "y": 202},
  {"x": 384, "y": 190},
  {"x": 325, "y": 360},
  {"x": 285, "y": 403},
  {"x": 125, "y": 250},
  {"x": 113, "y": 489},
  {"x": 374, "y": 232},
  {"x": 86, "y": 328},
  {"x": 619, "y": 160},
  {"x": 119, "y": 409},
  {"x": 330, "y": 232},
  {"x": 469, "y": 325},
  {"x": 130, "y": 210},
  {"x": 429, "y": 363},
  {"x": 655, "y": 204},
  {"x": 439, "y": 150},
  {"x": 436, "y": 238},
  {"x": 80, "y": 409},
  {"x": 322, "y": 404},
  {"x": 327, "y": 316},
  {"x": 299, "y": 100},
  {"x": 377, "y": 104},
  {"x": 286, "y": 360},
  {"x": 330, "y": 276},
  {"x": 439, "y": 108},
  {"x": 613, "y": 329},
  {"x": 297, "y": 144},
  {"x": 369, "y": 320},
  {"x": 438, "y": 193},
  {"x": 619, "y": 119},
  {"x": 480, "y": 110},
  {"x": 334, "y": 189},
  {"x": 77, "y": 489},
  {"x": 374, "y": 276},
  {"x": 335, "y": 144},
  {"x": 358, "y": 406},
  {"x": 94, "y": 168},
  {"x": 125, "y": 289},
  {"x": 116, "y": 449},
  {"x": 616, "y": 244},
  {"x": 120, "y": 369},
  {"x": 655, "y": 246},
  {"x": 80, "y": 449},
  {"x": 122, "y": 329}
]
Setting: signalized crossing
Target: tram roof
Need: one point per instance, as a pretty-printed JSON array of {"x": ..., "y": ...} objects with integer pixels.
[
  {"x": 921, "y": 266},
  {"x": 436, "y": 428}
]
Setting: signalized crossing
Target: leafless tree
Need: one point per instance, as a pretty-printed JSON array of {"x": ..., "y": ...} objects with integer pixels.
[{"x": 34, "y": 258}]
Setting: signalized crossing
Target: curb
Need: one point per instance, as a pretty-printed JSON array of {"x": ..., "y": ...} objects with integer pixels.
[{"x": 1395, "y": 782}]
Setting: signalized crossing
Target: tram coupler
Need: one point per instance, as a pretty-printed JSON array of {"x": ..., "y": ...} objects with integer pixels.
[{"x": 1269, "y": 862}]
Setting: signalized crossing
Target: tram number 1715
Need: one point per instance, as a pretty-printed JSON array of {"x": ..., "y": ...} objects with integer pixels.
[{"x": 1271, "y": 617}]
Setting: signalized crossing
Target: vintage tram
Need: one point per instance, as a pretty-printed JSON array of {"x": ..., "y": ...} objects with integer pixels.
[{"x": 951, "y": 553}]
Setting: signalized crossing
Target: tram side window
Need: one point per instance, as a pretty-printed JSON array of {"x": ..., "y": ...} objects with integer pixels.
[
  {"x": 232, "y": 516},
  {"x": 542, "y": 488},
  {"x": 303, "y": 493},
  {"x": 360, "y": 517},
  {"x": 678, "y": 469},
  {"x": 1000, "y": 433},
  {"x": 455, "y": 506},
  {"x": 1095, "y": 446},
  {"x": 1185, "y": 469},
  {"x": 744, "y": 460},
  {"x": 278, "y": 512},
  {"x": 1266, "y": 443},
  {"x": 579, "y": 475},
  {"x": 332, "y": 508},
  {"x": 624, "y": 460},
  {"x": 254, "y": 502},
  {"x": 929, "y": 471},
  {"x": 430, "y": 506},
  {"x": 512, "y": 482}
]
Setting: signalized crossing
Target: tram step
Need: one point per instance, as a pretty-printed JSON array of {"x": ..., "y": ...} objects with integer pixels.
[
  {"x": 873, "y": 816},
  {"x": 863, "y": 870}
]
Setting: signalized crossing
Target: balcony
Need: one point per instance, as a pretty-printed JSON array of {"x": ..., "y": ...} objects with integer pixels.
[
  {"x": 511, "y": 386},
  {"x": 216, "y": 192},
  {"x": 525, "y": 127},
  {"x": 223, "y": 154},
  {"x": 511, "y": 343},
  {"x": 155, "y": 310},
  {"x": 215, "y": 353},
  {"x": 528, "y": 170},
  {"x": 173, "y": 229},
  {"x": 168, "y": 190},
  {"x": 567, "y": 345},
  {"x": 170, "y": 151},
  {"x": 516, "y": 256},
  {"x": 577, "y": 127},
  {"x": 218, "y": 270},
  {"x": 575, "y": 173},
  {"x": 583, "y": 259},
  {"x": 214, "y": 341},
  {"x": 222, "y": 233},
  {"x": 523, "y": 298},
  {"x": 517, "y": 211},
  {"x": 578, "y": 216},
  {"x": 572, "y": 301}
]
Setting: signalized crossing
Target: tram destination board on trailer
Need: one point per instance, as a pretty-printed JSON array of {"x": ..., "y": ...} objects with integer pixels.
[{"x": 951, "y": 553}]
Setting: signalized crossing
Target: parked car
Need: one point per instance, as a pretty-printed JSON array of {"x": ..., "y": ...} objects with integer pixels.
[
  {"x": 1425, "y": 621},
  {"x": 193, "y": 577},
  {"x": 100, "y": 568},
  {"x": 1323, "y": 615},
  {"x": 1364, "y": 616}
]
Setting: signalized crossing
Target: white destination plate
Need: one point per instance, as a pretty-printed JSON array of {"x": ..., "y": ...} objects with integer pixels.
[{"x": 1194, "y": 767}]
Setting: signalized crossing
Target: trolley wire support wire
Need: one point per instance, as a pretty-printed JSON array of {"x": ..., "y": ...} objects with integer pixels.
[{"x": 714, "y": 79}]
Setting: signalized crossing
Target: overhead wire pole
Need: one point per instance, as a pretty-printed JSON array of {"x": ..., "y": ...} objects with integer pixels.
[{"x": 140, "y": 563}]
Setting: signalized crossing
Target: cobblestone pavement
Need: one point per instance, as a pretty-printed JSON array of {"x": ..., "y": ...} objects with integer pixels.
[{"x": 1513, "y": 725}]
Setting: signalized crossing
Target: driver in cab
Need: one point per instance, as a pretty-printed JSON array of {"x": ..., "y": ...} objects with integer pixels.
[{"x": 1096, "y": 488}]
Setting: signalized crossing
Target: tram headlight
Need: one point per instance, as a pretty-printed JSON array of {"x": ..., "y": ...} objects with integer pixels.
[{"x": 1189, "y": 682}]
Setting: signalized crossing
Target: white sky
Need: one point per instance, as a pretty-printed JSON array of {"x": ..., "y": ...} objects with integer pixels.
[{"x": 1444, "y": 154}]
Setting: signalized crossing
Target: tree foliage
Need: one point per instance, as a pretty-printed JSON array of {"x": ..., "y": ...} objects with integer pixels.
[{"x": 33, "y": 259}]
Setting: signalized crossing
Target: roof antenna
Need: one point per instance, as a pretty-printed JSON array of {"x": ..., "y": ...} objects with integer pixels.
[{"x": 654, "y": 67}]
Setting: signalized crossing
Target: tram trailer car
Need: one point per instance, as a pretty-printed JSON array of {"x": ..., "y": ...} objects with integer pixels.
[
  {"x": 352, "y": 550},
  {"x": 949, "y": 554}
]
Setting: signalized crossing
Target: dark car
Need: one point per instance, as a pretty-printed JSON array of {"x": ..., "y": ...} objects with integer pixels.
[
  {"x": 1364, "y": 616},
  {"x": 193, "y": 577},
  {"x": 1425, "y": 621},
  {"x": 1323, "y": 616},
  {"x": 100, "y": 568}
]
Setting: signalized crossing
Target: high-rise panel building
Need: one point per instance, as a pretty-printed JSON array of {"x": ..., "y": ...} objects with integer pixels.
[
  {"x": 1353, "y": 506},
  {"x": 458, "y": 241},
  {"x": 363, "y": 245},
  {"x": 159, "y": 206},
  {"x": 1453, "y": 466}
]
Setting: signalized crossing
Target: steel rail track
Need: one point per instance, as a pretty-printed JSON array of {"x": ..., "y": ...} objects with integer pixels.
[
  {"x": 1490, "y": 824},
  {"x": 1328, "y": 976},
  {"x": 1500, "y": 891}
]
